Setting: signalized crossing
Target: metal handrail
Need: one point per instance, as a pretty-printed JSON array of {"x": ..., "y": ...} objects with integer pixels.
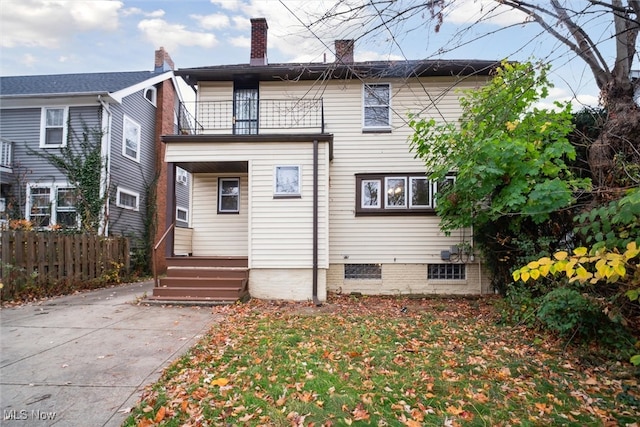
[{"x": 155, "y": 249}]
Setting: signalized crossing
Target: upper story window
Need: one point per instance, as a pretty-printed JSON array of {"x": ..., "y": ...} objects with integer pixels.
[
  {"x": 131, "y": 139},
  {"x": 376, "y": 114},
  {"x": 394, "y": 194},
  {"x": 53, "y": 132},
  {"x": 150, "y": 94}
]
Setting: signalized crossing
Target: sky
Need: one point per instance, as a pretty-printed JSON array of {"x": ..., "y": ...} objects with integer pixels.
[{"x": 82, "y": 36}]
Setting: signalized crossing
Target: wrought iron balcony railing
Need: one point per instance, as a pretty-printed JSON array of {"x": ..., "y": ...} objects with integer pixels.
[{"x": 248, "y": 117}]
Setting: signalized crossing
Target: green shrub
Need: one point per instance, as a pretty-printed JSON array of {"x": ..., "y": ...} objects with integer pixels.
[{"x": 568, "y": 312}]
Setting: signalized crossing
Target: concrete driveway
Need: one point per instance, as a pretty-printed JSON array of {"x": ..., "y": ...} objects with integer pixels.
[{"x": 82, "y": 360}]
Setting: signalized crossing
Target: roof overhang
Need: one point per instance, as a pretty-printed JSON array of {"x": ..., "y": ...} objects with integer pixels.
[{"x": 374, "y": 69}]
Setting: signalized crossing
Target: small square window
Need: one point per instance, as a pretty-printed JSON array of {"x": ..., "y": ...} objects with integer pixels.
[
  {"x": 228, "y": 195},
  {"x": 127, "y": 199},
  {"x": 182, "y": 214},
  {"x": 182, "y": 176},
  {"x": 287, "y": 181}
]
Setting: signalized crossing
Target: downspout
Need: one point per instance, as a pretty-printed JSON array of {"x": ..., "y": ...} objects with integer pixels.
[
  {"x": 105, "y": 172},
  {"x": 316, "y": 301}
]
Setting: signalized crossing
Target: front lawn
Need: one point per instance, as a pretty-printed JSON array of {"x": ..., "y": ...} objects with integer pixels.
[{"x": 385, "y": 361}]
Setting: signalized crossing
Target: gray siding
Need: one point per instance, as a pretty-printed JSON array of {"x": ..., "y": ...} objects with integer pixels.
[
  {"x": 127, "y": 173},
  {"x": 182, "y": 198},
  {"x": 22, "y": 126}
]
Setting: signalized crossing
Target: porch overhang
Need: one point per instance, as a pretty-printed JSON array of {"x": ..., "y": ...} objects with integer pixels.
[{"x": 203, "y": 167}]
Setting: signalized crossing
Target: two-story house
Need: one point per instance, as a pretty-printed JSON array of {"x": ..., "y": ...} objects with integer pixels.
[
  {"x": 126, "y": 111},
  {"x": 303, "y": 178}
]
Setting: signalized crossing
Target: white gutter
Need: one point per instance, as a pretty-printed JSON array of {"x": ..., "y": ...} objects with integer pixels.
[{"x": 105, "y": 171}]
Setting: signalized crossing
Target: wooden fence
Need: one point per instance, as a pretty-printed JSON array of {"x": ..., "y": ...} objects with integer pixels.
[{"x": 49, "y": 257}]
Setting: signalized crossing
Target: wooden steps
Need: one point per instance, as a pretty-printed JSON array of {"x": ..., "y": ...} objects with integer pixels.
[{"x": 217, "y": 280}]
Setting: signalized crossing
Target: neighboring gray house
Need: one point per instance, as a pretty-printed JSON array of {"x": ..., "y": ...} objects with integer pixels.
[{"x": 130, "y": 110}]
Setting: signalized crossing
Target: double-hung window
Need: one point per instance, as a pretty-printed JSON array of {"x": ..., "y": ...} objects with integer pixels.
[
  {"x": 52, "y": 205},
  {"x": 131, "y": 139},
  {"x": 228, "y": 195},
  {"x": 377, "y": 107},
  {"x": 53, "y": 132}
]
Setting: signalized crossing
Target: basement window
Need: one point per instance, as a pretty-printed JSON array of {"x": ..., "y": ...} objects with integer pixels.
[
  {"x": 446, "y": 272},
  {"x": 362, "y": 271}
]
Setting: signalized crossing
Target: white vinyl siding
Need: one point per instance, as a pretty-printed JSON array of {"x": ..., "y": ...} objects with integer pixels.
[
  {"x": 280, "y": 231},
  {"x": 409, "y": 239},
  {"x": 213, "y": 234}
]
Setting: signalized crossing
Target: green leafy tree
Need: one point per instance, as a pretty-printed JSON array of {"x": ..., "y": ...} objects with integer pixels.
[{"x": 509, "y": 157}]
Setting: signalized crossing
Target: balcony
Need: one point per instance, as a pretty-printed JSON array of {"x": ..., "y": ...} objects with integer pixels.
[
  {"x": 251, "y": 117},
  {"x": 6, "y": 156}
]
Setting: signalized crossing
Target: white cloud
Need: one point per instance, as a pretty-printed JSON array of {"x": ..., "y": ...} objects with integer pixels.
[
  {"x": 162, "y": 33},
  {"x": 228, "y": 4},
  {"x": 137, "y": 11},
  {"x": 242, "y": 41},
  {"x": 486, "y": 11},
  {"x": 214, "y": 21},
  {"x": 49, "y": 23},
  {"x": 28, "y": 60}
]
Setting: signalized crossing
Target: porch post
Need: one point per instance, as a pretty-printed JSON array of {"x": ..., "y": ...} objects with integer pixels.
[{"x": 170, "y": 208}]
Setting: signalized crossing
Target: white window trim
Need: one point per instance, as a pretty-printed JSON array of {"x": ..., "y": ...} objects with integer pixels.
[
  {"x": 431, "y": 193},
  {"x": 293, "y": 194},
  {"x": 406, "y": 193},
  {"x": 435, "y": 189},
  {"x": 220, "y": 195},
  {"x": 43, "y": 126},
  {"x": 378, "y": 205},
  {"x": 130, "y": 193},
  {"x": 53, "y": 194},
  {"x": 186, "y": 214},
  {"x": 126, "y": 118},
  {"x": 182, "y": 176},
  {"x": 386, "y": 128},
  {"x": 154, "y": 97}
]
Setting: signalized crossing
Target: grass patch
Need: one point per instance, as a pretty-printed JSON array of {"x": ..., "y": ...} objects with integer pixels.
[{"x": 369, "y": 362}]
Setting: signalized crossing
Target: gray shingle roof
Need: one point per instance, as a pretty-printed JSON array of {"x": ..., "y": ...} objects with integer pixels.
[{"x": 71, "y": 83}]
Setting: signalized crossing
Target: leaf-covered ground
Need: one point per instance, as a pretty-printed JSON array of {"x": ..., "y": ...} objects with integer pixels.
[{"x": 385, "y": 361}]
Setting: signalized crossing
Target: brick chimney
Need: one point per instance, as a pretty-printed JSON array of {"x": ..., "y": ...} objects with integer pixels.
[
  {"x": 163, "y": 61},
  {"x": 259, "y": 29},
  {"x": 344, "y": 51}
]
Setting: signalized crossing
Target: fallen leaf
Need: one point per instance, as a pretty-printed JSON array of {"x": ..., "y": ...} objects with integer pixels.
[
  {"x": 220, "y": 382},
  {"x": 160, "y": 415}
]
